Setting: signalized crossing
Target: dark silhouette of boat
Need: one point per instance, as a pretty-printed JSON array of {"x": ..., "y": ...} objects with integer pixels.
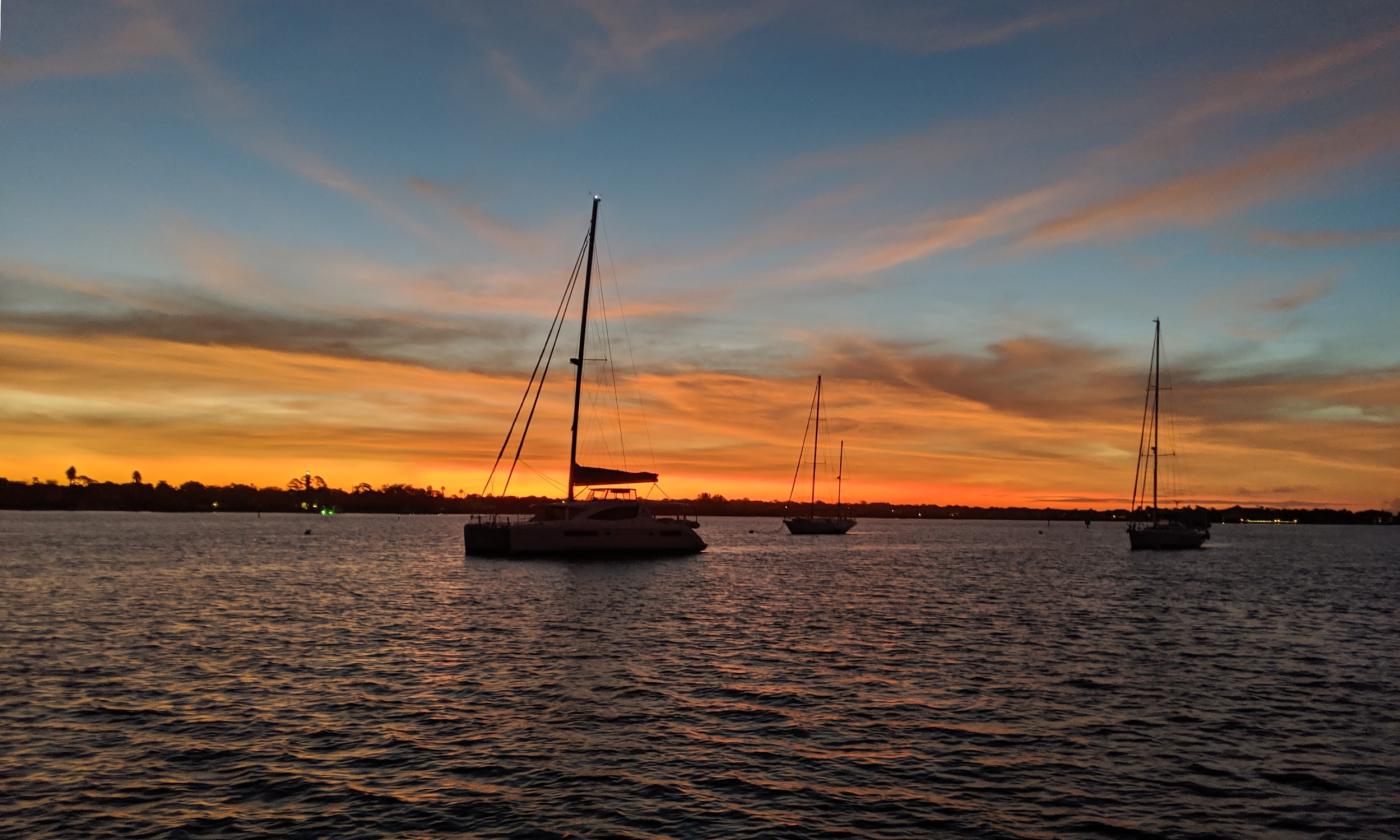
[
  {"x": 813, "y": 524},
  {"x": 612, "y": 520},
  {"x": 1149, "y": 528}
]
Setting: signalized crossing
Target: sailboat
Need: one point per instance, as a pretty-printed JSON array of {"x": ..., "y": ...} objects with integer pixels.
[
  {"x": 813, "y": 524},
  {"x": 1147, "y": 527},
  {"x": 612, "y": 519}
]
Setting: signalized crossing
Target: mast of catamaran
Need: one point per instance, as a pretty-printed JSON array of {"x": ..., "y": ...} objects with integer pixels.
[
  {"x": 1156, "y": 406},
  {"x": 582, "y": 335},
  {"x": 816, "y": 435}
]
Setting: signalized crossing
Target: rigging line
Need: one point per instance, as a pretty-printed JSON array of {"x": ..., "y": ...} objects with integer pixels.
[
  {"x": 1171, "y": 491},
  {"x": 612, "y": 369},
  {"x": 594, "y": 433},
  {"x": 802, "y": 452},
  {"x": 551, "y": 482},
  {"x": 631, "y": 356},
  {"x": 553, "y": 325},
  {"x": 1139, "y": 471},
  {"x": 1181, "y": 468},
  {"x": 568, "y": 298}
]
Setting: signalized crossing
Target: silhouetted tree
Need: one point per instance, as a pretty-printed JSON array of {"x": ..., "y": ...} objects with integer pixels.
[
  {"x": 307, "y": 483},
  {"x": 72, "y": 473},
  {"x": 135, "y": 476},
  {"x": 364, "y": 487}
]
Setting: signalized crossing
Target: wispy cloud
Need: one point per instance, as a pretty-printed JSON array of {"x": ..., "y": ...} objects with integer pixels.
[
  {"x": 1301, "y": 295},
  {"x": 1326, "y": 238},
  {"x": 1128, "y": 187},
  {"x": 125, "y": 37},
  {"x": 946, "y": 26},
  {"x": 139, "y": 34},
  {"x": 476, "y": 219},
  {"x": 615, "y": 37},
  {"x": 1202, "y": 197},
  {"x": 622, "y": 37},
  {"x": 892, "y": 245},
  {"x": 1287, "y": 80}
]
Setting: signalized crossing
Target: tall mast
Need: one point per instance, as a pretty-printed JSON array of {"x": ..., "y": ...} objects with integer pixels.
[
  {"x": 840, "y": 466},
  {"x": 815, "y": 436},
  {"x": 582, "y": 334},
  {"x": 1156, "y": 406}
]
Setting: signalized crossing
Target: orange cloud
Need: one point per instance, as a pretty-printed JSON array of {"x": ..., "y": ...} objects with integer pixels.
[{"x": 1032, "y": 419}]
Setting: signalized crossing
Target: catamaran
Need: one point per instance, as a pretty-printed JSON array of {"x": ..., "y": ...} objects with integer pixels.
[
  {"x": 813, "y": 524},
  {"x": 1148, "y": 528},
  {"x": 612, "y": 519}
]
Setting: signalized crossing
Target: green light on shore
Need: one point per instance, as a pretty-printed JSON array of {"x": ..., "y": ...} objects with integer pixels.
[{"x": 327, "y": 512}]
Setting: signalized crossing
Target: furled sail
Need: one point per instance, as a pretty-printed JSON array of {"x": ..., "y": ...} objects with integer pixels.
[{"x": 601, "y": 476}]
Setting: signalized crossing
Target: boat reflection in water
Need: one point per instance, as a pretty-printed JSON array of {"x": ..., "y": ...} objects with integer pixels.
[{"x": 612, "y": 520}]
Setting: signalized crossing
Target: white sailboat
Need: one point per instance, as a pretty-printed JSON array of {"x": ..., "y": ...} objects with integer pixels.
[
  {"x": 813, "y": 524},
  {"x": 1148, "y": 528},
  {"x": 612, "y": 519}
]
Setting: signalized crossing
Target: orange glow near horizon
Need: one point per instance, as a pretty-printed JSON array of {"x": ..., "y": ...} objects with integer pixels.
[{"x": 218, "y": 415}]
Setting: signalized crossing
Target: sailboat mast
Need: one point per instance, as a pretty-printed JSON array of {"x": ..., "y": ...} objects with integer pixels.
[
  {"x": 582, "y": 336},
  {"x": 840, "y": 467},
  {"x": 1156, "y": 407},
  {"x": 816, "y": 434}
]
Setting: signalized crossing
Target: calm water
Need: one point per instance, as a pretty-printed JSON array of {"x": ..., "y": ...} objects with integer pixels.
[{"x": 224, "y": 675}]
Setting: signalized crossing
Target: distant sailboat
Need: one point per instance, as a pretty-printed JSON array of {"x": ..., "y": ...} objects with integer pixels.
[
  {"x": 1148, "y": 528},
  {"x": 613, "y": 520},
  {"x": 813, "y": 524}
]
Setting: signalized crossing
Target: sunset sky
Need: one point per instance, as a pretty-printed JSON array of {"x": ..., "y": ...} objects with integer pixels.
[{"x": 240, "y": 240}]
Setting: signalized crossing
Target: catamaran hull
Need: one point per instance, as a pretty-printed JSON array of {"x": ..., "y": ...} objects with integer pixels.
[
  {"x": 819, "y": 525},
  {"x": 1167, "y": 539},
  {"x": 549, "y": 539}
]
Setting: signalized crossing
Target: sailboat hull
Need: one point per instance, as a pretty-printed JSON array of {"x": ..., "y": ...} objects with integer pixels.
[
  {"x": 577, "y": 539},
  {"x": 1176, "y": 538},
  {"x": 816, "y": 525}
]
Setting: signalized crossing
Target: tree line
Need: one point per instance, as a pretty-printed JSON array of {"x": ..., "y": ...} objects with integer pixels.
[{"x": 310, "y": 494}]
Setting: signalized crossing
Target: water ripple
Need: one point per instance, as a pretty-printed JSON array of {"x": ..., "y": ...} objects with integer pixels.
[{"x": 225, "y": 676}]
